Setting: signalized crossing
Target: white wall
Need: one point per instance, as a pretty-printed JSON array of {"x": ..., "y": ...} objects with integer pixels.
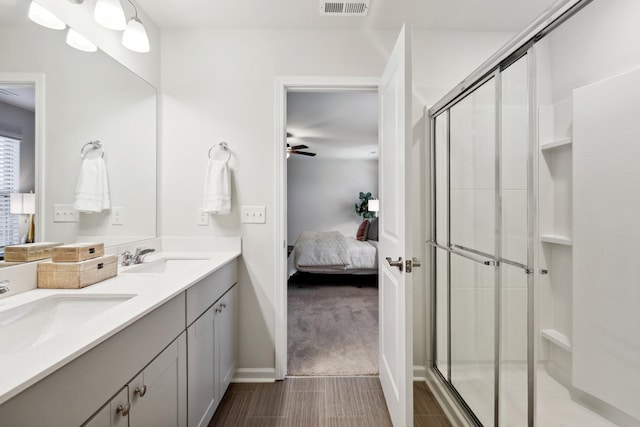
[
  {"x": 321, "y": 194},
  {"x": 220, "y": 85}
]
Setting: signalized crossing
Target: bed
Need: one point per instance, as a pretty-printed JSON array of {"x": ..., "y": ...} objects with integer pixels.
[{"x": 331, "y": 252}]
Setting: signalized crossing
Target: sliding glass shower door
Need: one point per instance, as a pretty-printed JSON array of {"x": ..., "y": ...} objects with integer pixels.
[
  {"x": 473, "y": 243},
  {"x": 482, "y": 246}
]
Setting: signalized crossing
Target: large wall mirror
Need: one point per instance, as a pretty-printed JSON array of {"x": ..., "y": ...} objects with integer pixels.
[{"x": 76, "y": 97}]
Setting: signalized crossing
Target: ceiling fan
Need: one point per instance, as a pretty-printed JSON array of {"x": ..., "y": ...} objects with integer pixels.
[{"x": 295, "y": 149}]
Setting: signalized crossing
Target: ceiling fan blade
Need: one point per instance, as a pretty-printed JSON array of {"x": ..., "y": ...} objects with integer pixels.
[
  {"x": 304, "y": 153},
  {"x": 299, "y": 147}
]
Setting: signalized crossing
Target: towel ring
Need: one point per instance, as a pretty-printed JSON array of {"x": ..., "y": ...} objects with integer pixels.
[
  {"x": 95, "y": 145},
  {"x": 222, "y": 146}
]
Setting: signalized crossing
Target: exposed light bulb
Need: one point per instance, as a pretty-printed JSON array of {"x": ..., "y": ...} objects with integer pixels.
[
  {"x": 80, "y": 42},
  {"x": 44, "y": 17},
  {"x": 109, "y": 14},
  {"x": 135, "y": 36}
]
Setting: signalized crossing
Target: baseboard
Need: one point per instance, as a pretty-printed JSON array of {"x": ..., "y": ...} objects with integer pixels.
[
  {"x": 419, "y": 373},
  {"x": 446, "y": 402},
  {"x": 254, "y": 375}
]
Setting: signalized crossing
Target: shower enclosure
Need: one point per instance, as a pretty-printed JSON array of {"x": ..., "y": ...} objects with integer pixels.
[{"x": 520, "y": 172}]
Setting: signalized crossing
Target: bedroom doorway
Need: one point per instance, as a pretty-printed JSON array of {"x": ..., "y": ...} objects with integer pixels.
[
  {"x": 310, "y": 85},
  {"x": 332, "y": 296}
]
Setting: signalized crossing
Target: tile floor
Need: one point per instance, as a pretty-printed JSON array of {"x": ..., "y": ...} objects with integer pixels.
[{"x": 319, "y": 402}]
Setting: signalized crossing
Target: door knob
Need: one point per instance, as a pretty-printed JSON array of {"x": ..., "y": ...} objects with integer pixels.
[
  {"x": 397, "y": 263},
  {"x": 412, "y": 263}
]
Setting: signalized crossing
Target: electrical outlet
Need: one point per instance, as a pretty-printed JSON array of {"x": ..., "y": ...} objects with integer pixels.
[
  {"x": 117, "y": 216},
  {"x": 65, "y": 213},
  {"x": 254, "y": 214},
  {"x": 203, "y": 217}
]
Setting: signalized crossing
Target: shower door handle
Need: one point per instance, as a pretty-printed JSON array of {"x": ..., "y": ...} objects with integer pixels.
[
  {"x": 474, "y": 258},
  {"x": 397, "y": 263}
]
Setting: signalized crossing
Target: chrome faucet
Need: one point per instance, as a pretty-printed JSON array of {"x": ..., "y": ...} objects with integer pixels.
[
  {"x": 3, "y": 287},
  {"x": 127, "y": 258},
  {"x": 140, "y": 253},
  {"x": 136, "y": 258}
]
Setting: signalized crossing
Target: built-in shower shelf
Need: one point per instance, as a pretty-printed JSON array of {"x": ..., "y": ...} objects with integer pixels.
[
  {"x": 556, "y": 239},
  {"x": 555, "y": 144},
  {"x": 556, "y": 337}
]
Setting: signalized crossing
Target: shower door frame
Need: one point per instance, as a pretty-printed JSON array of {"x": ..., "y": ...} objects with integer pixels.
[
  {"x": 520, "y": 46},
  {"x": 526, "y": 52}
]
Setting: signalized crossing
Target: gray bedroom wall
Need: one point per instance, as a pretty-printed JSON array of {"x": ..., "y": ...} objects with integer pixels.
[{"x": 321, "y": 194}]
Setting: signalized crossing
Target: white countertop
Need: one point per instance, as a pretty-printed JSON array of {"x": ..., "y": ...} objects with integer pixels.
[{"x": 22, "y": 369}]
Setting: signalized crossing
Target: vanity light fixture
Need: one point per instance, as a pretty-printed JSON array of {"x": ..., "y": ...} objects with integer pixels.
[
  {"x": 80, "y": 42},
  {"x": 40, "y": 15},
  {"x": 135, "y": 36},
  {"x": 109, "y": 14}
]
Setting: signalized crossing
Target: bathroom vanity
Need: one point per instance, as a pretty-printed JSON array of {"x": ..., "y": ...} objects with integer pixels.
[{"x": 155, "y": 345}]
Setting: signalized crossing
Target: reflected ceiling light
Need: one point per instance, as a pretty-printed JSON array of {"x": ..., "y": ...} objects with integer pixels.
[
  {"x": 135, "y": 36},
  {"x": 80, "y": 42},
  {"x": 109, "y": 14},
  {"x": 42, "y": 16}
]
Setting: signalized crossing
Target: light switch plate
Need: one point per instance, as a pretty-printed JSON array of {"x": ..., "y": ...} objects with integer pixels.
[
  {"x": 254, "y": 214},
  {"x": 117, "y": 216},
  {"x": 65, "y": 213},
  {"x": 203, "y": 217}
]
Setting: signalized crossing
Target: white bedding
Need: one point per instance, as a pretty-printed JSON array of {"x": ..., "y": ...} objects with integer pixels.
[
  {"x": 332, "y": 252},
  {"x": 321, "y": 249}
]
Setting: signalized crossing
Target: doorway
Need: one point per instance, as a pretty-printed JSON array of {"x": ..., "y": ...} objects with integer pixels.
[
  {"x": 21, "y": 106},
  {"x": 284, "y": 86},
  {"x": 332, "y": 168}
]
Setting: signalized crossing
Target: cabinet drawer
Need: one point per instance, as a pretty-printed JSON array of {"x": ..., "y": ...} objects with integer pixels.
[{"x": 208, "y": 290}]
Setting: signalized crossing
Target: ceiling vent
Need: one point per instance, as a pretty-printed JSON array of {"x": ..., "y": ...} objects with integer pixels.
[{"x": 342, "y": 8}]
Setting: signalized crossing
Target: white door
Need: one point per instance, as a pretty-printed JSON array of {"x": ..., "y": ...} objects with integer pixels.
[{"x": 396, "y": 334}]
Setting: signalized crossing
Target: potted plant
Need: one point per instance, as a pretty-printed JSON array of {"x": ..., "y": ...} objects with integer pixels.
[{"x": 362, "y": 208}]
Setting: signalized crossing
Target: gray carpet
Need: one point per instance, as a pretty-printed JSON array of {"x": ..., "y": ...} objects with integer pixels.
[{"x": 333, "y": 325}]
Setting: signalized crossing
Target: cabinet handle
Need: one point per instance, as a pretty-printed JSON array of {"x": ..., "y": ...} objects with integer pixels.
[
  {"x": 123, "y": 409},
  {"x": 140, "y": 391},
  {"x": 223, "y": 305},
  {"x": 218, "y": 310}
]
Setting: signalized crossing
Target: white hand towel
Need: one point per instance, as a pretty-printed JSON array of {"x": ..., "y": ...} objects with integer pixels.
[
  {"x": 217, "y": 188},
  {"x": 92, "y": 190}
]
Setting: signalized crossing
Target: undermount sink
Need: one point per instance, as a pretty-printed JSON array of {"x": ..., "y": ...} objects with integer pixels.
[
  {"x": 30, "y": 324},
  {"x": 164, "y": 265}
]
